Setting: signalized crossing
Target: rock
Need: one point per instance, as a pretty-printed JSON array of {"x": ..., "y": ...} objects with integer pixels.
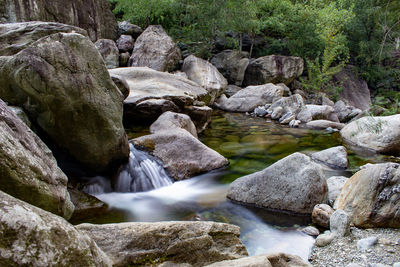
[
  {"x": 366, "y": 243},
  {"x": 325, "y": 239},
  {"x": 197, "y": 243},
  {"x": 371, "y": 196},
  {"x": 293, "y": 104},
  {"x": 355, "y": 91},
  {"x": 17, "y": 36},
  {"x": 310, "y": 230},
  {"x": 201, "y": 116},
  {"x": 323, "y": 124},
  {"x": 247, "y": 99},
  {"x": 277, "y": 112},
  {"x": 206, "y": 75},
  {"x": 28, "y": 169},
  {"x": 321, "y": 215},
  {"x": 294, "y": 183},
  {"x": 156, "y": 50},
  {"x": 86, "y": 205},
  {"x": 345, "y": 112},
  {"x": 294, "y": 123},
  {"x": 320, "y": 112},
  {"x": 335, "y": 185},
  {"x": 232, "y": 64},
  {"x": 21, "y": 114},
  {"x": 320, "y": 99},
  {"x": 69, "y": 95},
  {"x": 231, "y": 90},
  {"x": 286, "y": 90},
  {"x": 123, "y": 59},
  {"x": 334, "y": 157},
  {"x": 273, "y": 69},
  {"x": 304, "y": 115},
  {"x": 171, "y": 120},
  {"x": 109, "y": 52},
  {"x": 125, "y": 43},
  {"x": 260, "y": 111},
  {"x": 94, "y": 16},
  {"x": 33, "y": 237},
  {"x": 287, "y": 118},
  {"x": 122, "y": 85},
  {"x": 340, "y": 223},
  {"x": 127, "y": 28},
  {"x": 380, "y": 134},
  {"x": 183, "y": 155},
  {"x": 396, "y": 264}
]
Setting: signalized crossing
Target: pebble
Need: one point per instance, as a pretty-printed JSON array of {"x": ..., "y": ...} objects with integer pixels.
[{"x": 366, "y": 243}]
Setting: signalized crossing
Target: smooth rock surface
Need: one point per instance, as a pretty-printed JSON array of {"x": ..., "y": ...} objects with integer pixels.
[
  {"x": 340, "y": 223},
  {"x": 30, "y": 236},
  {"x": 171, "y": 120},
  {"x": 273, "y": 69},
  {"x": 335, "y": 185},
  {"x": 321, "y": 215},
  {"x": 371, "y": 197},
  {"x": 206, "y": 75},
  {"x": 196, "y": 243},
  {"x": 183, "y": 155},
  {"x": 201, "y": 116},
  {"x": 381, "y": 134},
  {"x": 334, "y": 157},
  {"x": 294, "y": 183},
  {"x": 28, "y": 170},
  {"x": 15, "y": 37},
  {"x": 232, "y": 64},
  {"x": 70, "y": 95},
  {"x": 320, "y": 112},
  {"x": 94, "y": 16},
  {"x": 324, "y": 124},
  {"x": 109, "y": 52},
  {"x": 247, "y": 99},
  {"x": 156, "y": 50}
]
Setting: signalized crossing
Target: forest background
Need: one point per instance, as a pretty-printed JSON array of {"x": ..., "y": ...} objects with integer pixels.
[{"x": 329, "y": 35}]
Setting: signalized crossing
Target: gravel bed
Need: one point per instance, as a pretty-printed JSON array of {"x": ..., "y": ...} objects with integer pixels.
[{"x": 344, "y": 251}]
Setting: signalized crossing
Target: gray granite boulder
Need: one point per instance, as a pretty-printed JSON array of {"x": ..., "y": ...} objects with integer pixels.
[
  {"x": 109, "y": 51},
  {"x": 232, "y": 64},
  {"x": 334, "y": 157}
]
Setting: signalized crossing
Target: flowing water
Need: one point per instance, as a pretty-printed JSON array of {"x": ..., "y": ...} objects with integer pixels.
[{"x": 250, "y": 144}]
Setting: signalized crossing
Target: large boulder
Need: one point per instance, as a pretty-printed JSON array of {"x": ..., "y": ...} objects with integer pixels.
[
  {"x": 324, "y": 124},
  {"x": 291, "y": 105},
  {"x": 196, "y": 243},
  {"x": 15, "y": 37},
  {"x": 28, "y": 169},
  {"x": 371, "y": 197},
  {"x": 334, "y": 157},
  {"x": 321, "y": 112},
  {"x": 109, "y": 51},
  {"x": 294, "y": 183},
  {"x": 156, "y": 50},
  {"x": 335, "y": 185},
  {"x": 247, "y": 99},
  {"x": 273, "y": 69},
  {"x": 70, "y": 96},
  {"x": 381, "y": 134},
  {"x": 232, "y": 64},
  {"x": 354, "y": 90},
  {"x": 33, "y": 237},
  {"x": 206, "y": 75},
  {"x": 94, "y": 16},
  {"x": 174, "y": 142}
]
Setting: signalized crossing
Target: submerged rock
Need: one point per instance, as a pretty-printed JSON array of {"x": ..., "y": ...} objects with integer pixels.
[
  {"x": 196, "y": 243},
  {"x": 247, "y": 99},
  {"x": 28, "y": 169},
  {"x": 371, "y": 197},
  {"x": 294, "y": 183},
  {"x": 33, "y": 237},
  {"x": 70, "y": 96},
  {"x": 156, "y": 50},
  {"x": 381, "y": 134}
]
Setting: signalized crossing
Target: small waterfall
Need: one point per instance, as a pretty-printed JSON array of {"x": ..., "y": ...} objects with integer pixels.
[{"x": 142, "y": 173}]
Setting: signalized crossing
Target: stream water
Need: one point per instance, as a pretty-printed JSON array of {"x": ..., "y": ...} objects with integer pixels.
[{"x": 251, "y": 144}]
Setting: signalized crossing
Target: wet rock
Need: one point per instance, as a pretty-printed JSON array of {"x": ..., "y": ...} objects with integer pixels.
[
  {"x": 171, "y": 120},
  {"x": 94, "y": 16},
  {"x": 28, "y": 169},
  {"x": 206, "y": 75},
  {"x": 321, "y": 215},
  {"x": 127, "y": 28},
  {"x": 335, "y": 185},
  {"x": 377, "y": 133},
  {"x": 371, "y": 196},
  {"x": 69, "y": 96},
  {"x": 247, "y": 99},
  {"x": 294, "y": 183},
  {"x": 109, "y": 52},
  {"x": 33, "y": 237},
  {"x": 273, "y": 69},
  {"x": 340, "y": 223},
  {"x": 156, "y": 50},
  {"x": 324, "y": 124},
  {"x": 366, "y": 243},
  {"x": 125, "y": 43},
  {"x": 197, "y": 243},
  {"x": 18, "y": 36},
  {"x": 232, "y": 64},
  {"x": 334, "y": 157}
]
